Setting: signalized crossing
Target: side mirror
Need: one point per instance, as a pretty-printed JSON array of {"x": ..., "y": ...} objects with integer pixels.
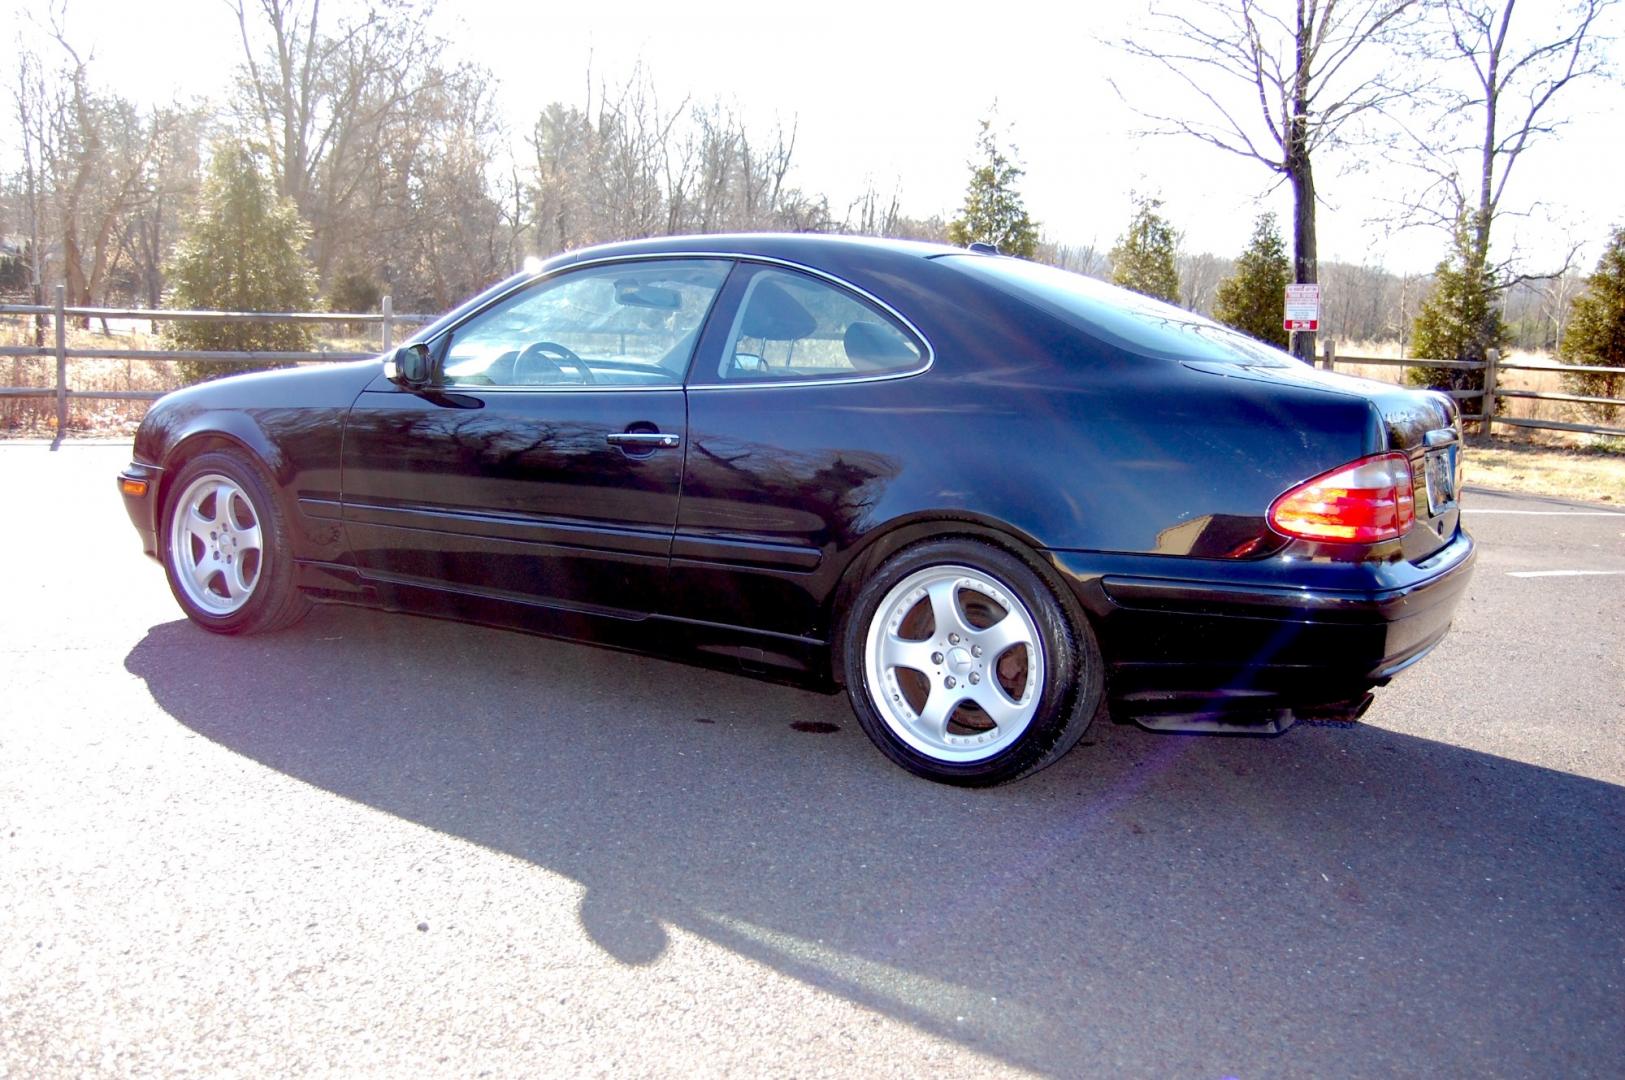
[{"x": 408, "y": 366}]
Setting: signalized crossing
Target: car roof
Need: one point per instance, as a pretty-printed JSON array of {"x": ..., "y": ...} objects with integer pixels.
[
  {"x": 811, "y": 248},
  {"x": 852, "y": 258}
]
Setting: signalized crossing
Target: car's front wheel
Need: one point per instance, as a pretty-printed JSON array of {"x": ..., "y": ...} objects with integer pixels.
[
  {"x": 225, "y": 548},
  {"x": 963, "y": 666}
]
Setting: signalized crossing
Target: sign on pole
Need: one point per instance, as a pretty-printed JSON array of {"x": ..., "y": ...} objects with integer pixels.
[{"x": 1302, "y": 308}]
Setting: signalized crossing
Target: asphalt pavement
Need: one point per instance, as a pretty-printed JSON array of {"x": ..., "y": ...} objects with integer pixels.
[{"x": 384, "y": 845}]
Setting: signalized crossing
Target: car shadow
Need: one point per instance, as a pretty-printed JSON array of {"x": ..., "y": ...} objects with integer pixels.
[{"x": 1332, "y": 902}]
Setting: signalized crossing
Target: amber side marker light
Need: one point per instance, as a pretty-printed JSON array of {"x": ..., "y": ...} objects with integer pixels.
[
  {"x": 132, "y": 487},
  {"x": 1363, "y": 502}
]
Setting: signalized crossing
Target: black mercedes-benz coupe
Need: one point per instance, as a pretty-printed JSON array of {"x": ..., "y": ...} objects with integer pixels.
[{"x": 982, "y": 495}]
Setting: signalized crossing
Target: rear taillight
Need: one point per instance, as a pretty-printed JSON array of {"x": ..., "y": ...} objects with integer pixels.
[{"x": 1362, "y": 502}]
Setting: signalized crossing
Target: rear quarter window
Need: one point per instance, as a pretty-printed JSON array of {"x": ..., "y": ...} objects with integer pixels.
[{"x": 791, "y": 326}]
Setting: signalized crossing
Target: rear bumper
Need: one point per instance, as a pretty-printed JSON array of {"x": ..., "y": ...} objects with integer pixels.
[{"x": 1239, "y": 639}]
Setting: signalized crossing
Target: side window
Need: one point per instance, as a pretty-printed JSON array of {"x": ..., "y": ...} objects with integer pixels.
[
  {"x": 623, "y": 324},
  {"x": 792, "y": 326}
]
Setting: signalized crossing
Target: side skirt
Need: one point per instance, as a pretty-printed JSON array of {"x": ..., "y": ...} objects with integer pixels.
[{"x": 779, "y": 658}]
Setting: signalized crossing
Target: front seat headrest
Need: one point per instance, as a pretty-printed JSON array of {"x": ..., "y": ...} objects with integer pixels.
[{"x": 774, "y": 315}]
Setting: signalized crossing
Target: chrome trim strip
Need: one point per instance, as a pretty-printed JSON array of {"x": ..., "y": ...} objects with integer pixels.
[
  {"x": 930, "y": 351},
  {"x": 533, "y": 530},
  {"x": 812, "y": 380},
  {"x": 468, "y": 390}
]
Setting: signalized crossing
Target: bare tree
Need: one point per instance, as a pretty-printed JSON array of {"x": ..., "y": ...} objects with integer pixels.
[
  {"x": 88, "y": 158},
  {"x": 933, "y": 229},
  {"x": 742, "y": 180},
  {"x": 1199, "y": 277},
  {"x": 1493, "y": 102},
  {"x": 873, "y": 214},
  {"x": 616, "y": 171},
  {"x": 628, "y": 167},
  {"x": 1087, "y": 259},
  {"x": 29, "y": 103},
  {"x": 1276, "y": 82},
  {"x": 439, "y": 217},
  {"x": 1412, "y": 286},
  {"x": 148, "y": 233},
  {"x": 1557, "y": 296},
  {"x": 1362, "y": 302},
  {"x": 319, "y": 96}
]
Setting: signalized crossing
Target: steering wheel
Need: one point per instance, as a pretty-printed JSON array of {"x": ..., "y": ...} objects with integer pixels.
[{"x": 551, "y": 358}]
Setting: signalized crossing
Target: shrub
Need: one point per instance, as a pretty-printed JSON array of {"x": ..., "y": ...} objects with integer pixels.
[{"x": 243, "y": 251}]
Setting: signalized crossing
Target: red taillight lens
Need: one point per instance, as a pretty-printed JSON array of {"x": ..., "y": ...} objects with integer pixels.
[{"x": 1361, "y": 503}]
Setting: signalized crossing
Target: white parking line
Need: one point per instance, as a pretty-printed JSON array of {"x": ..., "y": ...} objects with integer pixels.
[
  {"x": 1565, "y": 573},
  {"x": 1544, "y": 513}
]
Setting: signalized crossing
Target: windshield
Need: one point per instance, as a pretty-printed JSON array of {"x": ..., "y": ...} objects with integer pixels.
[{"x": 1120, "y": 317}]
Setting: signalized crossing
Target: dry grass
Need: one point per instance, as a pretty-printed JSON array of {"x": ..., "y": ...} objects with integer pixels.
[
  {"x": 37, "y": 416},
  {"x": 1595, "y": 474}
]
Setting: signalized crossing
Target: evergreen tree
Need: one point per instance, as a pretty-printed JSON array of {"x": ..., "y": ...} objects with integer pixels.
[
  {"x": 243, "y": 251},
  {"x": 1252, "y": 298},
  {"x": 1596, "y": 332},
  {"x": 1460, "y": 319},
  {"x": 1143, "y": 258},
  {"x": 994, "y": 212},
  {"x": 354, "y": 290}
]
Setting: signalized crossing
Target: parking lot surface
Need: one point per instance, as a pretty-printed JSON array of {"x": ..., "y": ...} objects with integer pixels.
[{"x": 384, "y": 845}]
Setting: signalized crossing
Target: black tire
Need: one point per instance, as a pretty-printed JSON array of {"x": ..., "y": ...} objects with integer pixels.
[
  {"x": 231, "y": 488},
  {"x": 1069, "y": 683}
]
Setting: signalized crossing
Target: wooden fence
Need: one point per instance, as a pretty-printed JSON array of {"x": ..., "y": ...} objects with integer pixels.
[
  {"x": 387, "y": 321},
  {"x": 1485, "y": 400}
]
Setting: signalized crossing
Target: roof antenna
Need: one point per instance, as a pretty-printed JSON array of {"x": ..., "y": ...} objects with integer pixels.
[{"x": 981, "y": 248}]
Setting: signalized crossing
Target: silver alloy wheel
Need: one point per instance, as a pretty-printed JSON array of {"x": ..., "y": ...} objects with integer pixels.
[
  {"x": 965, "y": 685},
  {"x": 215, "y": 544}
]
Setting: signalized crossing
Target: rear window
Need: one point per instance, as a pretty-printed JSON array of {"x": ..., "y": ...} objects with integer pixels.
[{"x": 1120, "y": 317}]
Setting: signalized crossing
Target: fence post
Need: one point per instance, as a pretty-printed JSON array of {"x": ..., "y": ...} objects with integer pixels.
[
  {"x": 39, "y": 320},
  {"x": 389, "y": 329},
  {"x": 1492, "y": 357},
  {"x": 1331, "y": 354},
  {"x": 61, "y": 363}
]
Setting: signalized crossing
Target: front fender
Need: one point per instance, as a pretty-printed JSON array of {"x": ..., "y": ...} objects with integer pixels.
[{"x": 291, "y": 422}]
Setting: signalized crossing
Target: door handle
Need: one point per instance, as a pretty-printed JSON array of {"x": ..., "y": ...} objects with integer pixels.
[{"x": 645, "y": 440}]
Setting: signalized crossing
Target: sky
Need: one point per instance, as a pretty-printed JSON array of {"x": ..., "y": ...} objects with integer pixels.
[{"x": 892, "y": 93}]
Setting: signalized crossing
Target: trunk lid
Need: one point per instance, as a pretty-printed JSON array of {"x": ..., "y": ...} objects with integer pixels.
[{"x": 1424, "y": 424}]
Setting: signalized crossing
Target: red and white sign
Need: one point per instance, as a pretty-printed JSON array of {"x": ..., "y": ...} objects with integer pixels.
[{"x": 1302, "y": 308}]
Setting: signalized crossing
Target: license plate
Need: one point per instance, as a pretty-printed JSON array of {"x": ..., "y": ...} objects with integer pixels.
[{"x": 1439, "y": 467}]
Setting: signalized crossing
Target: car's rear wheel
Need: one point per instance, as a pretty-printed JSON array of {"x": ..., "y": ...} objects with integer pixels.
[
  {"x": 964, "y": 667},
  {"x": 225, "y": 548}
]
